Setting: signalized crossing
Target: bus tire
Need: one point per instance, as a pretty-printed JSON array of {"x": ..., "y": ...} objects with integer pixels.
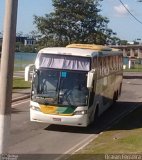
[
  {"x": 114, "y": 97},
  {"x": 117, "y": 95},
  {"x": 120, "y": 88},
  {"x": 95, "y": 119}
]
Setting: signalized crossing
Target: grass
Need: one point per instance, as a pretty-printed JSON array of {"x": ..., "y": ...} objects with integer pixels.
[
  {"x": 19, "y": 83},
  {"x": 133, "y": 70},
  {"x": 136, "y": 68},
  {"x": 20, "y": 65},
  {"x": 123, "y": 138}
]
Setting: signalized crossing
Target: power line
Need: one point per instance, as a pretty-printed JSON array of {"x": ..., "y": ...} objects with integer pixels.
[{"x": 130, "y": 12}]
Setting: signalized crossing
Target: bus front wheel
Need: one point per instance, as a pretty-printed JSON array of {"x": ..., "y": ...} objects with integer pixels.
[
  {"x": 115, "y": 96},
  {"x": 96, "y": 115}
]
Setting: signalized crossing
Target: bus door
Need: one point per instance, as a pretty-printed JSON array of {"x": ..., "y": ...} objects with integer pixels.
[{"x": 92, "y": 92}]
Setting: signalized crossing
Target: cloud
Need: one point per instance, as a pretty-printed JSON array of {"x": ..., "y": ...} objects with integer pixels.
[{"x": 120, "y": 10}]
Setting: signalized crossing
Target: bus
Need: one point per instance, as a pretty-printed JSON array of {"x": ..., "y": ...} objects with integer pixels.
[{"x": 74, "y": 85}]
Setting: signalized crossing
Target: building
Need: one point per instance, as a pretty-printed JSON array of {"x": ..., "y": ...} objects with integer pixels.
[
  {"x": 24, "y": 40},
  {"x": 132, "y": 52},
  {"x": 20, "y": 39},
  {"x": 29, "y": 41}
]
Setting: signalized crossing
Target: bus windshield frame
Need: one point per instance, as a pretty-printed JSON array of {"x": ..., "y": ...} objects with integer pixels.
[{"x": 60, "y": 87}]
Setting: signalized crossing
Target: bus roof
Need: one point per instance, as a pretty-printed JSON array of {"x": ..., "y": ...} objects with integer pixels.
[
  {"x": 90, "y": 46},
  {"x": 77, "y": 51},
  {"x": 69, "y": 51}
]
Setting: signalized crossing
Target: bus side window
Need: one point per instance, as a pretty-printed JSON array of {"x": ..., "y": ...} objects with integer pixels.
[
  {"x": 94, "y": 64},
  {"x": 104, "y": 66},
  {"x": 99, "y": 67},
  {"x": 121, "y": 58},
  {"x": 117, "y": 64},
  {"x": 109, "y": 64},
  {"x": 114, "y": 65},
  {"x": 120, "y": 62}
]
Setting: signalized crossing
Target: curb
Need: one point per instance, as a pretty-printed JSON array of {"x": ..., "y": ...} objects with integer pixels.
[{"x": 21, "y": 98}]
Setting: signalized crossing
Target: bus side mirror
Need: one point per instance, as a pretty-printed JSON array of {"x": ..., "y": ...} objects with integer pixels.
[
  {"x": 90, "y": 78},
  {"x": 28, "y": 69}
]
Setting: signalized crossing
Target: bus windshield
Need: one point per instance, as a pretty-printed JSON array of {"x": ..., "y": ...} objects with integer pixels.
[{"x": 61, "y": 87}]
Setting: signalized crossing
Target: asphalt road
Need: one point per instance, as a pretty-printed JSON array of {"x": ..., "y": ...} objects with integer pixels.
[
  {"x": 18, "y": 74},
  {"x": 54, "y": 141}
]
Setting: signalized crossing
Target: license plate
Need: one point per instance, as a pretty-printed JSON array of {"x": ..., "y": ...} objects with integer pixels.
[{"x": 57, "y": 119}]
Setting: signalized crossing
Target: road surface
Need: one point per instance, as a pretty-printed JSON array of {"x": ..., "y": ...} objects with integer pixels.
[{"x": 53, "y": 141}]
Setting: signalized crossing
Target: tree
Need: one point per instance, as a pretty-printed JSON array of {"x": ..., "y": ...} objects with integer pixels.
[
  {"x": 19, "y": 34},
  {"x": 73, "y": 21},
  {"x": 123, "y": 42}
]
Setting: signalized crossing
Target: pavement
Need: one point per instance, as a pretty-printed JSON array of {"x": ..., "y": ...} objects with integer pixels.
[{"x": 20, "y": 94}]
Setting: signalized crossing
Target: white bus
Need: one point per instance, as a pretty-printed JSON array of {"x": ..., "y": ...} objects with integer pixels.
[{"x": 75, "y": 84}]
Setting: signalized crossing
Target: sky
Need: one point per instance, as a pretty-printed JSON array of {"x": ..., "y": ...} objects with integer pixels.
[{"x": 121, "y": 20}]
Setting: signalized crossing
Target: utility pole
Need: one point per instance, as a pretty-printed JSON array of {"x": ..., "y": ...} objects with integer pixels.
[{"x": 6, "y": 72}]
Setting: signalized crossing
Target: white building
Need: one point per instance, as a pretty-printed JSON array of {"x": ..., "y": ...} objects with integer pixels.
[{"x": 29, "y": 41}]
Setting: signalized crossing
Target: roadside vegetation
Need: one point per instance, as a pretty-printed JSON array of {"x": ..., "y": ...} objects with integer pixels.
[
  {"x": 19, "y": 65},
  {"x": 20, "y": 47},
  {"x": 74, "y": 22},
  {"x": 123, "y": 138},
  {"x": 136, "y": 68},
  {"x": 19, "y": 83}
]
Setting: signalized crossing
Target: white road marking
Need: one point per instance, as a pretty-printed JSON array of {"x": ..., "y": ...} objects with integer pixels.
[
  {"x": 89, "y": 141},
  {"x": 20, "y": 97},
  {"x": 90, "y": 138},
  {"x": 20, "y": 103},
  {"x": 85, "y": 141}
]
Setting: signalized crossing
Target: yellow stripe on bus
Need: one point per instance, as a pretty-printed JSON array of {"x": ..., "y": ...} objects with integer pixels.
[
  {"x": 48, "y": 109},
  {"x": 90, "y": 46}
]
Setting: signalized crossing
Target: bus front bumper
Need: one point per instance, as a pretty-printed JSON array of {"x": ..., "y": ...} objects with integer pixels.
[{"x": 74, "y": 120}]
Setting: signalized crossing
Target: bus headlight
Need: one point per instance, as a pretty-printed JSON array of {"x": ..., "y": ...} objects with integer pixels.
[
  {"x": 35, "y": 108},
  {"x": 82, "y": 112}
]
